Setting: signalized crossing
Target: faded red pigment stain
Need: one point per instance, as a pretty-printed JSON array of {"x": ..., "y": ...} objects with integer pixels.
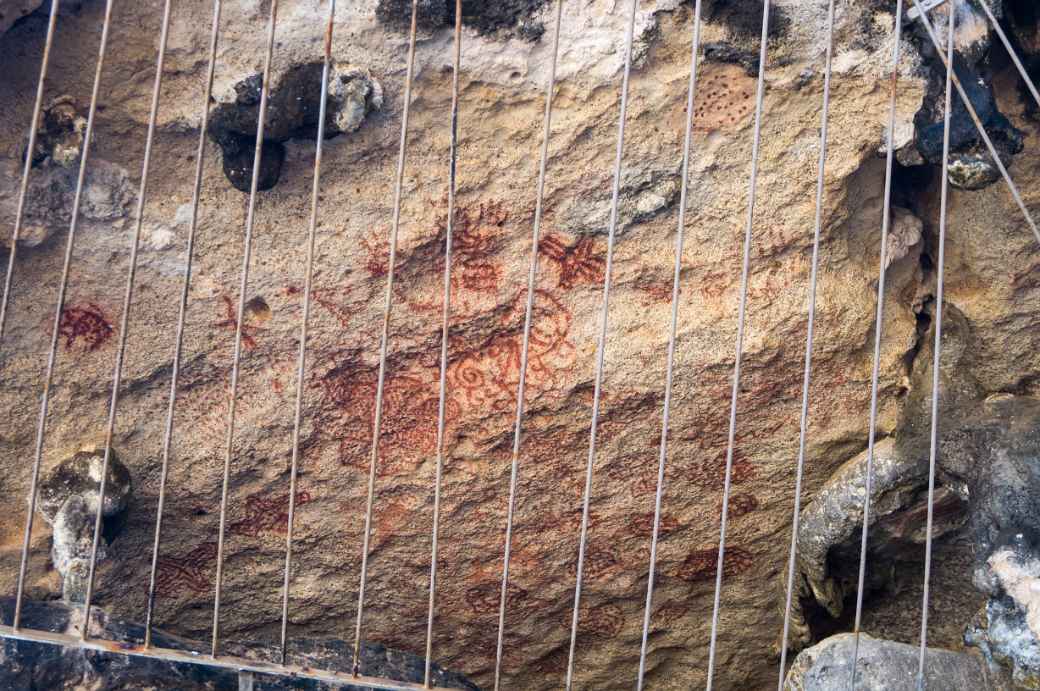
[
  {"x": 86, "y": 325},
  {"x": 576, "y": 264},
  {"x": 740, "y": 505},
  {"x": 189, "y": 572},
  {"x": 230, "y": 323},
  {"x": 701, "y": 565},
  {"x": 267, "y": 514},
  {"x": 409, "y": 423}
]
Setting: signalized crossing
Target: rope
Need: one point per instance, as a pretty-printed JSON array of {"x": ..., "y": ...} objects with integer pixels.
[
  {"x": 41, "y": 429},
  {"x": 301, "y": 366},
  {"x": 809, "y": 336},
  {"x": 243, "y": 286},
  {"x": 669, "y": 370},
  {"x": 181, "y": 318},
  {"x": 445, "y": 328},
  {"x": 745, "y": 270},
  {"x": 380, "y": 385},
  {"x": 937, "y": 351},
  {"x": 602, "y": 346},
  {"x": 525, "y": 347}
]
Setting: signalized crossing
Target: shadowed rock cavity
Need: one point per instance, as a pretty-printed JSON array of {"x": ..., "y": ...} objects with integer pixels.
[
  {"x": 293, "y": 109},
  {"x": 69, "y": 503},
  {"x": 971, "y": 165},
  {"x": 506, "y": 16}
]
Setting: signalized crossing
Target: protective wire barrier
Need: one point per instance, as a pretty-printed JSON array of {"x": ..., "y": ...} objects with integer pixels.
[
  {"x": 602, "y": 345},
  {"x": 803, "y": 428},
  {"x": 532, "y": 274},
  {"x": 742, "y": 313},
  {"x": 83, "y": 639},
  {"x": 691, "y": 98},
  {"x": 875, "y": 376},
  {"x": 265, "y": 87}
]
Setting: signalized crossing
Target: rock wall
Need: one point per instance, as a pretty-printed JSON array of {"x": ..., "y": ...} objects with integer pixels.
[{"x": 991, "y": 274}]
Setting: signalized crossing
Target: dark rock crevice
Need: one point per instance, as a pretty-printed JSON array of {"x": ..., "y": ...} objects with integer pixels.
[{"x": 503, "y": 17}]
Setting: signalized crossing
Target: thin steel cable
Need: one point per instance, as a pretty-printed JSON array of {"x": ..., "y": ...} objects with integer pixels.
[
  {"x": 525, "y": 347},
  {"x": 937, "y": 350},
  {"x": 803, "y": 429},
  {"x": 1016, "y": 195},
  {"x": 875, "y": 376},
  {"x": 445, "y": 319},
  {"x": 23, "y": 190},
  {"x": 1011, "y": 52},
  {"x": 377, "y": 422},
  {"x": 243, "y": 286},
  {"x": 200, "y": 157},
  {"x": 60, "y": 308},
  {"x": 124, "y": 326},
  {"x": 301, "y": 366},
  {"x": 602, "y": 345},
  {"x": 680, "y": 234},
  {"x": 742, "y": 312}
]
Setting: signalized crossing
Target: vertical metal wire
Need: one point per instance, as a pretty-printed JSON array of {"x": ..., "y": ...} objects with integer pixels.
[
  {"x": 200, "y": 157},
  {"x": 30, "y": 151},
  {"x": 243, "y": 286},
  {"x": 742, "y": 312},
  {"x": 937, "y": 347},
  {"x": 602, "y": 345},
  {"x": 809, "y": 336},
  {"x": 60, "y": 308},
  {"x": 124, "y": 326},
  {"x": 445, "y": 318},
  {"x": 1011, "y": 51},
  {"x": 525, "y": 347},
  {"x": 377, "y": 422},
  {"x": 302, "y": 361},
  {"x": 680, "y": 233},
  {"x": 1012, "y": 188},
  {"x": 878, "y": 331}
]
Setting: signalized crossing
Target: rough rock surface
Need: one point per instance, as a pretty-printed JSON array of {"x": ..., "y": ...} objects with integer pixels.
[
  {"x": 29, "y": 665},
  {"x": 992, "y": 281},
  {"x": 885, "y": 666}
]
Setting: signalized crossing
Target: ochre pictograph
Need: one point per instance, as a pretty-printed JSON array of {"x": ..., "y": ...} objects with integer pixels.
[
  {"x": 701, "y": 564},
  {"x": 266, "y": 514},
  {"x": 577, "y": 264},
  {"x": 84, "y": 324},
  {"x": 189, "y": 572}
]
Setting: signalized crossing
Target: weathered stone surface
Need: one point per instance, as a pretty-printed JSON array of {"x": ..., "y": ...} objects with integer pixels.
[
  {"x": 885, "y": 666},
  {"x": 13, "y": 10},
  {"x": 991, "y": 281}
]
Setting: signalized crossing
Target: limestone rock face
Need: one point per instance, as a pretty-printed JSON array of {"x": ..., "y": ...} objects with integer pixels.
[{"x": 991, "y": 273}]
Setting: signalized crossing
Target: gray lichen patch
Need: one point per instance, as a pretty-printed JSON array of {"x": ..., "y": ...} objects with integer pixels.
[{"x": 293, "y": 109}]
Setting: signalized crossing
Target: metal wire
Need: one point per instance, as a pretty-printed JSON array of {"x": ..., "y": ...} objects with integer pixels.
[
  {"x": 937, "y": 349},
  {"x": 980, "y": 127},
  {"x": 680, "y": 233},
  {"x": 124, "y": 326},
  {"x": 602, "y": 345},
  {"x": 445, "y": 319},
  {"x": 60, "y": 308},
  {"x": 803, "y": 429},
  {"x": 525, "y": 347},
  {"x": 384, "y": 339},
  {"x": 200, "y": 156},
  {"x": 878, "y": 330},
  {"x": 243, "y": 286},
  {"x": 302, "y": 362},
  {"x": 1011, "y": 52},
  {"x": 742, "y": 312},
  {"x": 23, "y": 190}
]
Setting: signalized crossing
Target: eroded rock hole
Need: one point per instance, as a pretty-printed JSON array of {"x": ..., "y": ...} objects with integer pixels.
[
  {"x": 293, "y": 109},
  {"x": 515, "y": 17}
]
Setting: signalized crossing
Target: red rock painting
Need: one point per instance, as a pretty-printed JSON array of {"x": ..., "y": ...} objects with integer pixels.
[
  {"x": 267, "y": 514},
  {"x": 84, "y": 325},
  {"x": 702, "y": 564},
  {"x": 577, "y": 264},
  {"x": 189, "y": 572}
]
